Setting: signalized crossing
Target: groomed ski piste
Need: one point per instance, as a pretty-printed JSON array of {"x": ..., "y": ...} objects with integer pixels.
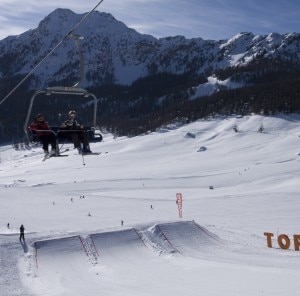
[{"x": 109, "y": 224}]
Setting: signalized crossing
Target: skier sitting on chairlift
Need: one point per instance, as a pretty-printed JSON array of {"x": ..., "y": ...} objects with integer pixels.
[
  {"x": 42, "y": 131},
  {"x": 77, "y": 133}
]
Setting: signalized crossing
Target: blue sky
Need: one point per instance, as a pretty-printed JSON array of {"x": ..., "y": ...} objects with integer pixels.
[{"x": 208, "y": 19}]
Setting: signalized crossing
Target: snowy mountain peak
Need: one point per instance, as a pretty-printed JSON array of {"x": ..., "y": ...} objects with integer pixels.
[{"x": 114, "y": 53}]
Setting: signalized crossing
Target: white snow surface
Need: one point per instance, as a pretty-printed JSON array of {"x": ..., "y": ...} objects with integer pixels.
[
  {"x": 241, "y": 185},
  {"x": 214, "y": 84}
]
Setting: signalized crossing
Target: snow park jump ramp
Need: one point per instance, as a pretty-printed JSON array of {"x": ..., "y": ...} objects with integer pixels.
[
  {"x": 188, "y": 238},
  {"x": 58, "y": 249},
  {"x": 122, "y": 248},
  {"x": 128, "y": 257},
  {"x": 185, "y": 238},
  {"x": 59, "y": 261}
]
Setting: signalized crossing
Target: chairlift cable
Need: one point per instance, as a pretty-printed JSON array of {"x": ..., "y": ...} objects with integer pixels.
[{"x": 63, "y": 39}]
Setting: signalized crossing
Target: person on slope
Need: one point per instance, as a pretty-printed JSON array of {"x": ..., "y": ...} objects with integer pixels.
[
  {"x": 42, "y": 131},
  {"x": 77, "y": 133},
  {"x": 22, "y": 236}
]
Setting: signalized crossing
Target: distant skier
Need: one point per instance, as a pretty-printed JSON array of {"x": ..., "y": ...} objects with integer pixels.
[
  {"x": 8, "y": 225},
  {"x": 235, "y": 128},
  {"x": 22, "y": 229},
  {"x": 261, "y": 128}
]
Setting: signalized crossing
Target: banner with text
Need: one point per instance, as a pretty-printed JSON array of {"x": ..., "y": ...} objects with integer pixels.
[{"x": 179, "y": 203}]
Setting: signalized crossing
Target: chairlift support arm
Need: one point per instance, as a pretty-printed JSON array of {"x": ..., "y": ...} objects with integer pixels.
[{"x": 77, "y": 39}]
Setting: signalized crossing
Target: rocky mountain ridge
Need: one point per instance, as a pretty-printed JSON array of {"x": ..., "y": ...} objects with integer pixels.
[{"x": 116, "y": 54}]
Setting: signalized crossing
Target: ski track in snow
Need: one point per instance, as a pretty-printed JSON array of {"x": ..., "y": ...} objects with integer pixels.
[{"x": 10, "y": 252}]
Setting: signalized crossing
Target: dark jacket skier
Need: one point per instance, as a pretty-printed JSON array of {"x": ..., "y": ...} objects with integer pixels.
[
  {"x": 77, "y": 133},
  {"x": 22, "y": 229}
]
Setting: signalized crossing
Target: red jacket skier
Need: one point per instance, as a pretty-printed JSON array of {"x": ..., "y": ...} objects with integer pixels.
[{"x": 43, "y": 132}]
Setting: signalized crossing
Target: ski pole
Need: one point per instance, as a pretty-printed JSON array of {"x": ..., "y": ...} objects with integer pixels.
[
  {"x": 83, "y": 162},
  {"x": 59, "y": 149}
]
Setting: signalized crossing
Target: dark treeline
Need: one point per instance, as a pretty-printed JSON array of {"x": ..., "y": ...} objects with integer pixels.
[{"x": 273, "y": 86}]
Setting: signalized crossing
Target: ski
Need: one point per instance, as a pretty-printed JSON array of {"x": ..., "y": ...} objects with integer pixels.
[
  {"x": 90, "y": 153},
  {"x": 63, "y": 151},
  {"x": 48, "y": 155},
  {"x": 93, "y": 153}
]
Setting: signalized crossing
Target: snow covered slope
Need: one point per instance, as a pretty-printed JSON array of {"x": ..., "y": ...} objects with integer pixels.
[{"x": 241, "y": 185}]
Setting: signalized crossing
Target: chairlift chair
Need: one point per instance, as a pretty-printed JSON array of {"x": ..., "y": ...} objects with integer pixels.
[{"x": 94, "y": 135}]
